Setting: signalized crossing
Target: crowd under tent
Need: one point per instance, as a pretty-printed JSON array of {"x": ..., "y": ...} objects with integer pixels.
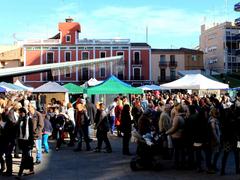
[{"x": 53, "y": 90}]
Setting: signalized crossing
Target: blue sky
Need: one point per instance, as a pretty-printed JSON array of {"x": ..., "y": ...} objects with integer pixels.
[{"x": 171, "y": 24}]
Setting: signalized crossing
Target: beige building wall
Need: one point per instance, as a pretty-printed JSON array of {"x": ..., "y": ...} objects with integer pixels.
[
  {"x": 10, "y": 56},
  {"x": 184, "y": 61},
  {"x": 213, "y": 44}
]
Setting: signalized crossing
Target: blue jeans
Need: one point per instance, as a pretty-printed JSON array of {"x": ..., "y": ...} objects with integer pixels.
[
  {"x": 38, "y": 143},
  {"x": 112, "y": 123},
  {"x": 45, "y": 142}
]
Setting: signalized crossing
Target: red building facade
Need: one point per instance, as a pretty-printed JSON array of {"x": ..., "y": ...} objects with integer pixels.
[{"x": 66, "y": 46}]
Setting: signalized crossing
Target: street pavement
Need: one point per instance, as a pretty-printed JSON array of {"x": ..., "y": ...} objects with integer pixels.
[{"x": 66, "y": 164}]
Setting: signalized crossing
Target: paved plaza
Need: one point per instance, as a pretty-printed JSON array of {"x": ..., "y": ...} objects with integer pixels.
[{"x": 69, "y": 165}]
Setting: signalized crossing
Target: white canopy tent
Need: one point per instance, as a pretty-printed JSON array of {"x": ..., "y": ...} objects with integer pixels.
[
  {"x": 151, "y": 87},
  {"x": 18, "y": 83},
  {"x": 194, "y": 81},
  {"x": 91, "y": 82}
]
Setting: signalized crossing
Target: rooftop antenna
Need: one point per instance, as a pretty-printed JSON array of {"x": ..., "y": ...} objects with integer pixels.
[
  {"x": 146, "y": 34},
  {"x": 226, "y": 10}
]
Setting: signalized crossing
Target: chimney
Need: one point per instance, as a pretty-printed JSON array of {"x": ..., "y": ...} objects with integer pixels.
[
  {"x": 69, "y": 19},
  {"x": 203, "y": 28}
]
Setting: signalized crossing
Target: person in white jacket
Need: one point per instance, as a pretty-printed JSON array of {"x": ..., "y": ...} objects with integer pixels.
[{"x": 70, "y": 125}]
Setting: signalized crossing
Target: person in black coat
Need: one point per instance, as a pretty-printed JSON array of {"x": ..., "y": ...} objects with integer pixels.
[
  {"x": 126, "y": 128},
  {"x": 59, "y": 121},
  {"x": 82, "y": 123},
  {"x": 102, "y": 126},
  {"x": 25, "y": 140},
  {"x": 230, "y": 131},
  {"x": 2, "y": 162},
  {"x": 91, "y": 110},
  {"x": 9, "y": 137}
]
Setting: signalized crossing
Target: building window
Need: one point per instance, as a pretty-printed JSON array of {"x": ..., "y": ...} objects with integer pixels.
[
  {"x": 120, "y": 74},
  {"x": 102, "y": 54},
  {"x": 67, "y": 56},
  {"x": 85, "y": 55},
  {"x": 163, "y": 74},
  {"x": 194, "y": 57},
  {"x": 137, "y": 57},
  {"x": 120, "y": 53},
  {"x": 68, "y": 38},
  {"x": 49, "y": 60},
  {"x": 85, "y": 73},
  {"x": 68, "y": 72},
  {"x": 49, "y": 57},
  {"x": 172, "y": 58},
  {"x": 172, "y": 74},
  {"x": 102, "y": 71},
  {"x": 162, "y": 58},
  {"x": 136, "y": 73}
]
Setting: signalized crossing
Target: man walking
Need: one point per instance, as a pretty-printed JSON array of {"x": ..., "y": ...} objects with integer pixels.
[{"x": 38, "y": 124}]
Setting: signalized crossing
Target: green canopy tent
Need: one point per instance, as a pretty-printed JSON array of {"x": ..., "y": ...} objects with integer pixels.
[
  {"x": 73, "y": 88},
  {"x": 113, "y": 86}
]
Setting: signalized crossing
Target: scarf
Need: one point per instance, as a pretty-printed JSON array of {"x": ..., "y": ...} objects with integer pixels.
[{"x": 24, "y": 129}]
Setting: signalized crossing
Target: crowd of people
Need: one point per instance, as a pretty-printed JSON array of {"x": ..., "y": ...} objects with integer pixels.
[{"x": 195, "y": 129}]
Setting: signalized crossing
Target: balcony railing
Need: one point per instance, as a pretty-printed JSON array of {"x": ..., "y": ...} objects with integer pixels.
[
  {"x": 137, "y": 78},
  {"x": 40, "y": 41},
  {"x": 237, "y": 52},
  {"x": 172, "y": 64},
  {"x": 103, "y": 41},
  {"x": 163, "y": 64},
  {"x": 139, "y": 62},
  {"x": 166, "y": 79}
]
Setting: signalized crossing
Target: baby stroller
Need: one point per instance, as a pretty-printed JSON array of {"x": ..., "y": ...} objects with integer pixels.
[{"x": 148, "y": 152}]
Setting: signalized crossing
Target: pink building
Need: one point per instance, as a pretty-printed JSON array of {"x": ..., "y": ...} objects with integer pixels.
[{"x": 66, "y": 46}]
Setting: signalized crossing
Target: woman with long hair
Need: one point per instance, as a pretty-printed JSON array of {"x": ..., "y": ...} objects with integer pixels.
[{"x": 126, "y": 128}]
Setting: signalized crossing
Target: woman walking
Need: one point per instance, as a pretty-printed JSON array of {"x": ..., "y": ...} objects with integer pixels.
[
  {"x": 25, "y": 140},
  {"x": 126, "y": 128}
]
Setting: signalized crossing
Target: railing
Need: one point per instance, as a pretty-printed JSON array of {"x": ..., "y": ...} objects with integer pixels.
[
  {"x": 103, "y": 41},
  {"x": 139, "y": 62},
  {"x": 40, "y": 41},
  {"x": 237, "y": 52},
  {"x": 172, "y": 64},
  {"x": 137, "y": 78},
  {"x": 166, "y": 79},
  {"x": 163, "y": 64}
]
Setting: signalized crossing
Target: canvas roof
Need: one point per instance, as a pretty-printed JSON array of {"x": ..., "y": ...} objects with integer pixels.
[
  {"x": 194, "y": 81},
  {"x": 11, "y": 87},
  {"x": 50, "y": 87},
  {"x": 113, "y": 86},
  {"x": 151, "y": 87},
  {"x": 73, "y": 88},
  {"x": 18, "y": 83}
]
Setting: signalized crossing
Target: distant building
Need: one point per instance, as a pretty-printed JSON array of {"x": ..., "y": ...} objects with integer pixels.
[
  {"x": 10, "y": 56},
  {"x": 167, "y": 62},
  {"x": 220, "y": 44},
  {"x": 66, "y": 46}
]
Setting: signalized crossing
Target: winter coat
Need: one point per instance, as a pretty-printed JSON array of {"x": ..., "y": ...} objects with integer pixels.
[
  {"x": 176, "y": 131},
  {"x": 38, "y": 124}
]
